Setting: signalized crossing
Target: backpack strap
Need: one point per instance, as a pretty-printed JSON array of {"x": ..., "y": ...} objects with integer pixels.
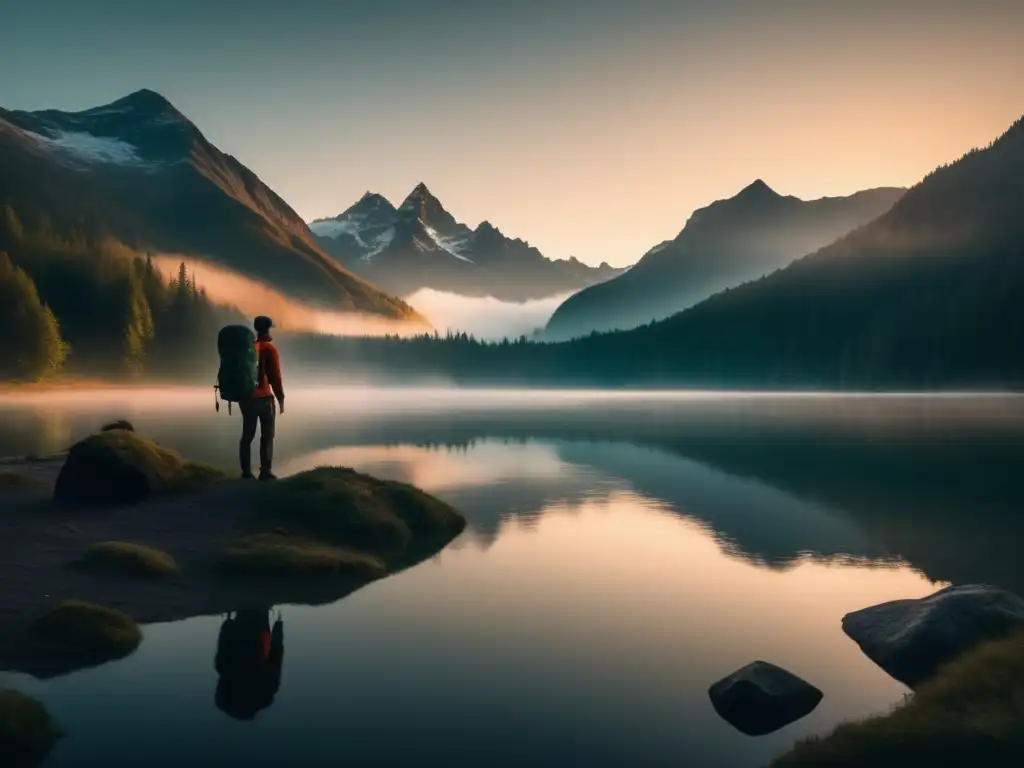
[{"x": 259, "y": 363}]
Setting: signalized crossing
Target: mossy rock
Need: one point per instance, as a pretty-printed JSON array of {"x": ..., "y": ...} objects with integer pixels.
[
  {"x": 93, "y": 631},
  {"x": 970, "y": 714},
  {"x": 125, "y": 557},
  {"x": 340, "y": 506},
  {"x": 10, "y": 480},
  {"x": 119, "y": 424},
  {"x": 119, "y": 466},
  {"x": 274, "y": 554},
  {"x": 27, "y": 731}
]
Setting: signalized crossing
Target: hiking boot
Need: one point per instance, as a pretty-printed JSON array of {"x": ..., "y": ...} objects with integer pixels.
[{"x": 265, "y": 476}]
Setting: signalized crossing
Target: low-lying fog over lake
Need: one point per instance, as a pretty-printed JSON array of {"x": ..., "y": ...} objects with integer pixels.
[
  {"x": 485, "y": 317},
  {"x": 624, "y": 551}
]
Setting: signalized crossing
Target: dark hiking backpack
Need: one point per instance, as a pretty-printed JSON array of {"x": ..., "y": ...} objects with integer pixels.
[{"x": 238, "y": 375}]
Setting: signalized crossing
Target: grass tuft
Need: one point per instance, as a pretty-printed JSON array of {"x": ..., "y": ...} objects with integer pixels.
[
  {"x": 277, "y": 555},
  {"x": 970, "y": 714},
  {"x": 27, "y": 731},
  {"x": 128, "y": 558},
  {"x": 92, "y": 630}
]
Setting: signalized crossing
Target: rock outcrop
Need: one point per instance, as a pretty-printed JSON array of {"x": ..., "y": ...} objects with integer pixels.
[{"x": 911, "y": 639}]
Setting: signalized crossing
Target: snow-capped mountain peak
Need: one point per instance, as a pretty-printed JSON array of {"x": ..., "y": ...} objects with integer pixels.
[
  {"x": 420, "y": 244},
  {"x": 421, "y": 204},
  {"x": 374, "y": 200},
  {"x": 419, "y": 192},
  {"x": 142, "y": 130},
  {"x": 143, "y": 103}
]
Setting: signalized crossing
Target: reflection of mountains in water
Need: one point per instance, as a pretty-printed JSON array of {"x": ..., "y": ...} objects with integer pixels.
[
  {"x": 929, "y": 480},
  {"x": 940, "y": 494}
]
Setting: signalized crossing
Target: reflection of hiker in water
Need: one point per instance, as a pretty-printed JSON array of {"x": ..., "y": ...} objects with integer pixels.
[{"x": 248, "y": 663}]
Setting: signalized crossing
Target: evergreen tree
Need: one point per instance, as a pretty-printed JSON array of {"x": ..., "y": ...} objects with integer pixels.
[
  {"x": 138, "y": 328},
  {"x": 118, "y": 312},
  {"x": 35, "y": 349}
]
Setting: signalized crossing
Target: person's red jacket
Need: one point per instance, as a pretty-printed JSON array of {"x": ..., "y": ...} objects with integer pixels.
[{"x": 270, "y": 363}]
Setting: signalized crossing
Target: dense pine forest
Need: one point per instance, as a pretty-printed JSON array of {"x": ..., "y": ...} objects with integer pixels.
[
  {"x": 81, "y": 303},
  {"x": 661, "y": 355}
]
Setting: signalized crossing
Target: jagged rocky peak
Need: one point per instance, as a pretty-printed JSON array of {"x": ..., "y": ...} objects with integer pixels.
[
  {"x": 422, "y": 205},
  {"x": 372, "y": 200},
  {"x": 758, "y": 189},
  {"x": 419, "y": 196}
]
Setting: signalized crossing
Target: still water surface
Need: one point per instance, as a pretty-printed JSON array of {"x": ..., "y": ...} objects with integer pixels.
[{"x": 623, "y": 552}]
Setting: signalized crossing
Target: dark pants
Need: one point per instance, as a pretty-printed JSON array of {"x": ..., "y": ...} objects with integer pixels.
[{"x": 264, "y": 411}]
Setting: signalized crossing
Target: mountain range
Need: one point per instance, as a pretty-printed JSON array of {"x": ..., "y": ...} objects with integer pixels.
[
  {"x": 138, "y": 170},
  {"x": 928, "y": 295},
  {"x": 419, "y": 244},
  {"x": 722, "y": 245}
]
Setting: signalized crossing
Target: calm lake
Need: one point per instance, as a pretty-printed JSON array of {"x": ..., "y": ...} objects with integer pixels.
[{"x": 624, "y": 551}]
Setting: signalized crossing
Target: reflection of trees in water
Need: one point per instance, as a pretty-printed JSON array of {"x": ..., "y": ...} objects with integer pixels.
[
  {"x": 940, "y": 491},
  {"x": 29, "y": 431},
  {"x": 489, "y": 507},
  {"x": 947, "y": 502},
  {"x": 943, "y": 496}
]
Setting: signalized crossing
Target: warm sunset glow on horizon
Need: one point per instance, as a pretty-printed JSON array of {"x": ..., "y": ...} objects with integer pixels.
[{"x": 589, "y": 129}]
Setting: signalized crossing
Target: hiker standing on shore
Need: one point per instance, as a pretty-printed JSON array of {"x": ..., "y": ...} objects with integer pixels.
[{"x": 261, "y": 406}]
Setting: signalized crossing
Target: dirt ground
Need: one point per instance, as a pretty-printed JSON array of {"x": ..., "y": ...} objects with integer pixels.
[{"x": 39, "y": 543}]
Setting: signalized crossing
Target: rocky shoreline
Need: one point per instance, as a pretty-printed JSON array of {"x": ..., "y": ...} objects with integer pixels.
[{"x": 43, "y": 543}]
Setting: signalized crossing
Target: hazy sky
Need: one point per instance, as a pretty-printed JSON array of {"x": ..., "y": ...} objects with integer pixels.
[{"x": 588, "y": 127}]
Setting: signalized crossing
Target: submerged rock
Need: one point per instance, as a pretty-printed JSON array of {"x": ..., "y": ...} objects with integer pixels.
[
  {"x": 911, "y": 639},
  {"x": 762, "y": 697}
]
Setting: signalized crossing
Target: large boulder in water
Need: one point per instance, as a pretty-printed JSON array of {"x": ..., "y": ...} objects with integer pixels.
[
  {"x": 119, "y": 466},
  {"x": 762, "y": 697},
  {"x": 911, "y": 639}
]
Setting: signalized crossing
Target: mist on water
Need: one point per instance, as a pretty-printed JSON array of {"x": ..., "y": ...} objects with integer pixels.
[
  {"x": 860, "y": 411},
  {"x": 484, "y": 317}
]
